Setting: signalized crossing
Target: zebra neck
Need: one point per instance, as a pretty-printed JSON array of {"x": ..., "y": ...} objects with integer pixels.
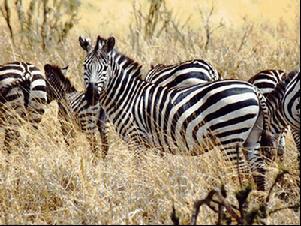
[{"x": 120, "y": 89}]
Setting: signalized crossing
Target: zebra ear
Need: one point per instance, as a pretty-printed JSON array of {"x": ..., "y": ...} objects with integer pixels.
[
  {"x": 64, "y": 70},
  {"x": 99, "y": 44},
  {"x": 110, "y": 44},
  {"x": 47, "y": 67},
  {"x": 85, "y": 43}
]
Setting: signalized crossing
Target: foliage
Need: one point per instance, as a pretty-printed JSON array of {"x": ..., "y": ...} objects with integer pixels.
[{"x": 46, "y": 22}]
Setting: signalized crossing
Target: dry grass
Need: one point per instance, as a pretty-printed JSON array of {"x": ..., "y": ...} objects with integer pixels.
[{"x": 44, "y": 181}]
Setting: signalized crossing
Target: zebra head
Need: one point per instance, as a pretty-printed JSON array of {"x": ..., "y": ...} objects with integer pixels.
[
  {"x": 97, "y": 66},
  {"x": 57, "y": 82}
]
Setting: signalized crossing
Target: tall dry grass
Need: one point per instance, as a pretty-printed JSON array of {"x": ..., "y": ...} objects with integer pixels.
[{"x": 45, "y": 181}]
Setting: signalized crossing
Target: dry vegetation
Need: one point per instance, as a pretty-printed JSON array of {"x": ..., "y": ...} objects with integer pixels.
[{"x": 45, "y": 181}]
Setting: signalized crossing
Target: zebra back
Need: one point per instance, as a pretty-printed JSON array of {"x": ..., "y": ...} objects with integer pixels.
[
  {"x": 182, "y": 74},
  {"x": 267, "y": 80}
]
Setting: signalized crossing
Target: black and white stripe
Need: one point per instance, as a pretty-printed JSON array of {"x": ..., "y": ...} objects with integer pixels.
[
  {"x": 23, "y": 93},
  {"x": 291, "y": 104},
  {"x": 284, "y": 106},
  {"x": 75, "y": 110},
  {"x": 224, "y": 113},
  {"x": 183, "y": 74},
  {"x": 267, "y": 81}
]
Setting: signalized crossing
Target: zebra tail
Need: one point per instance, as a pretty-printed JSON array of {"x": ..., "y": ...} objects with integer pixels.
[{"x": 266, "y": 140}]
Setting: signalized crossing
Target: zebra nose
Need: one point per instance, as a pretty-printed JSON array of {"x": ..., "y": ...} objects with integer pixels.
[{"x": 92, "y": 95}]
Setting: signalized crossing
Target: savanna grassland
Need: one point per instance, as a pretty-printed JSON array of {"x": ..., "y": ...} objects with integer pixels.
[{"x": 47, "y": 182}]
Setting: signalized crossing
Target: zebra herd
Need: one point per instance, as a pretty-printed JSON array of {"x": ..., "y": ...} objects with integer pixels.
[{"x": 185, "y": 108}]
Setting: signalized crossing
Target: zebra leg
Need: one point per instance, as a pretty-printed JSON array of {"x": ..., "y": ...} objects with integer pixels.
[
  {"x": 296, "y": 136},
  {"x": 256, "y": 161},
  {"x": 281, "y": 146},
  {"x": 102, "y": 128},
  {"x": 237, "y": 159}
]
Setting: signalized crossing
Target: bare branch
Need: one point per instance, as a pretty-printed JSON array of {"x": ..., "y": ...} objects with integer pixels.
[
  {"x": 294, "y": 207},
  {"x": 198, "y": 204},
  {"x": 246, "y": 34},
  {"x": 7, "y": 16},
  {"x": 174, "y": 217},
  {"x": 43, "y": 30},
  {"x": 278, "y": 178}
]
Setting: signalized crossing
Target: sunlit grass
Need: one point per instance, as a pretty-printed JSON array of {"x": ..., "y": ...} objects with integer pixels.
[{"x": 46, "y": 181}]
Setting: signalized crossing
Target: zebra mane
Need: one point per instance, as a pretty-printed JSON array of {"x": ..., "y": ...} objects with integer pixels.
[
  {"x": 58, "y": 84},
  {"x": 136, "y": 71}
]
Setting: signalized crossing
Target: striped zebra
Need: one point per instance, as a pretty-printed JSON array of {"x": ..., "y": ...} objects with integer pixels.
[
  {"x": 23, "y": 92},
  {"x": 267, "y": 81},
  {"x": 284, "y": 103},
  {"x": 175, "y": 119},
  {"x": 291, "y": 105},
  {"x": 183, "y": 74},
  {"x": 75, "y": 110}
]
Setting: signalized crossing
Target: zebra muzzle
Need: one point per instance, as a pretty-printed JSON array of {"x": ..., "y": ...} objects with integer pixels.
[{"x": 92, "y": 95}]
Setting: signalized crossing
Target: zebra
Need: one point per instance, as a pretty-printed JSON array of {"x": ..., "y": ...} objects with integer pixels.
[
  {"x": 74, "y": 109},
  {"x": 284, "y": 103},
  {"x": 175, "y": 119},
  {"x": 23, "y": 91},
  {"x": 267, "y": 81},
  {"x": 196, "y": 71},
  {"x": 291, "y": 105},
  {"x": 191, "y": 72}
]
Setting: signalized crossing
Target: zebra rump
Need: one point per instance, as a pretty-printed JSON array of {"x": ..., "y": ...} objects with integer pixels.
[
  {"x": 266, "y": 81},
  {"x": 23, "y": 91}
]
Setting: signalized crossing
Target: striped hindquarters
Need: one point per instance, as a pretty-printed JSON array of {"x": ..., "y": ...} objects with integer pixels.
[
  {"x": 23, "y": 91},
  {"x": 37, "y": 99},
  {"x": 24, "y": 86},
  {"x": 267, "y": 80}
]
